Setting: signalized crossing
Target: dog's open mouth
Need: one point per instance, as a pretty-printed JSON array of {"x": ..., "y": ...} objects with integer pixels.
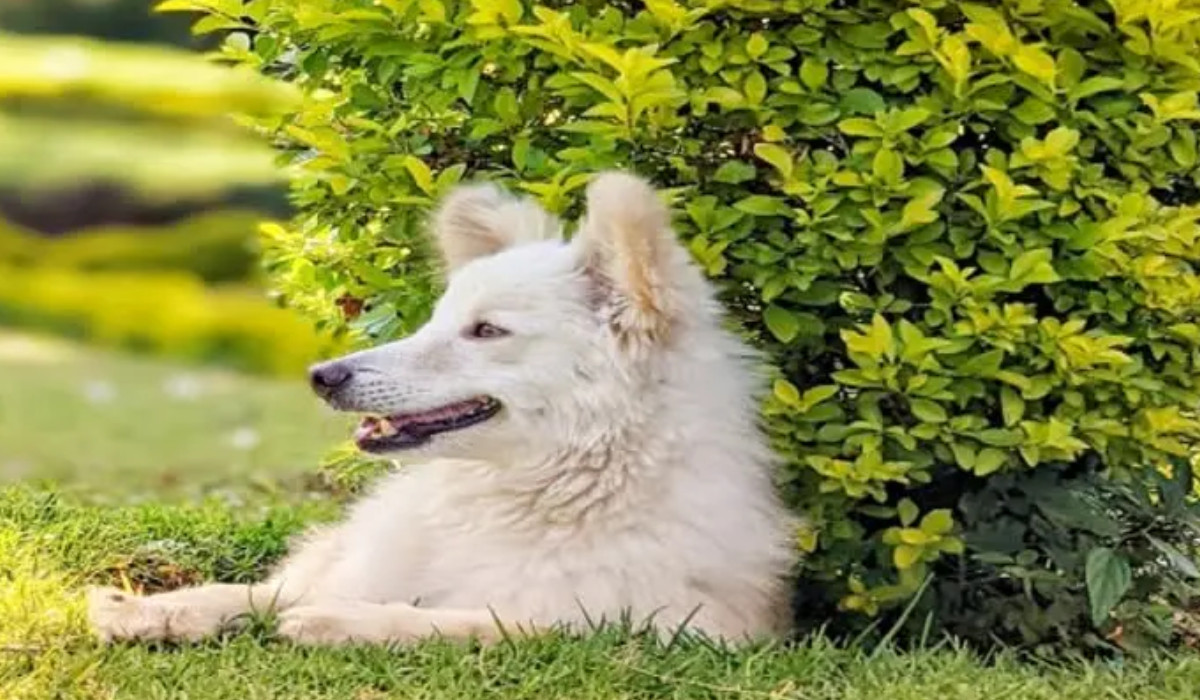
[{"x": 404, "y": 430}]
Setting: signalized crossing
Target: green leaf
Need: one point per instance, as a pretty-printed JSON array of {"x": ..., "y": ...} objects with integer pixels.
[
  {"x": 928, "y": 410},
  {"x": 988, "y": 461},
  {"x": 813, "y": 73},
  {"x": 888, "y": 166},
  {"x": 777, "y": 156},
  {"x": 817, "y": 394},
  {"x": 782, "y": 323},
  {"x": 725, "y": 96},
  {"x": 956, "y": 59},
  {"x": 817, "y": 113},
  {"x": 857, "y": 126},
  {"x": 506, "y": 106},
  {"x": 509, "y": 11},
  {"x": 937, "y": 522},
  {"x": 755, "y": 88},
  {"x": 1060, "y": 141},
  {"x": 907, "y": 511},
  {"x": 667, "y": 11},
  {"x": 787, "y": 393},
  {"x": 1036, "y": 62},
  {"x": 1069, "y": 511},
  {"x": 906, "y": 120},
  {"x": 432, "y": 10},
  {"x": 876, "y": 342},
  {"x": 964, "y": 454},
  {"x": 1108, "y": 577},
  {"x": 905, "y": 556},
  {"x": 1095, "y": 86},
  {"x": 1034, "y": 267},
  {"x": 861, "y": 101},
  {"x": 735, "y": 172},
  {"x": 1012, "y": 406},
  {"x": 757, "y": 45},
  {"x": 921, "y": 210},
  {"x": 762, "y": 205},
  {"x": 1000, "y": 437},
  {"x": 1033, "y": 112},
  {"x": 420, "y": 174},
  {"x": 604, "y": 86}
]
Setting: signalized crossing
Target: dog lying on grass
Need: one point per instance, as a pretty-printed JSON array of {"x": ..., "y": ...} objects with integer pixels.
[{"x": 580, "y": 444}]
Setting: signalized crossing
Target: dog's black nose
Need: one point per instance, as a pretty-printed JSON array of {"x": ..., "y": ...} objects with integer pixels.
[{"x": 329, "y": 377}]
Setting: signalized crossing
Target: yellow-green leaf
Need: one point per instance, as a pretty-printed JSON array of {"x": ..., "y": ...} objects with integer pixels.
[
  {"x": 1061, "y": 141},
  {"x": 777, "y": 156},
  {"x": 860, "y": 126},
  {"x": 905, "y": 556},
  {"x": 875, "y": 342},
  {"x": 1036, "y": 62},
  {"x": 915, "y": 537},
  {"x": 813, "y": 73},
  {"x": 756, "y": 45},
  {"x": 989, "y": 460},
  {"x": 787, "y": 393},
  {"x": 1012, "y": 406},
  {"x": 888, "y": 166},
  {"x": 420, "y": 174},
  {"x": 937, "y": 522},
  {"x": 920, "y": 209},
  {"x": 773, "y": 133},
  {"x": 755, "y": 88},
  {"x": 955, "y": 58},
  {"x": 667, "y": 11},
  {"x": 432, "y": 10}
]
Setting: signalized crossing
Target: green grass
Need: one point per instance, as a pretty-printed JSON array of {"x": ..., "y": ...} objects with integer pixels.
[
  {"x": 51, "y": 545},
  {"x": 111, "y": 425}
]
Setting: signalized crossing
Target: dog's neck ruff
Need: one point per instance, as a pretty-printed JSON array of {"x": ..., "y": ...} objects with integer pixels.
[{"x": 575, "y": 484}]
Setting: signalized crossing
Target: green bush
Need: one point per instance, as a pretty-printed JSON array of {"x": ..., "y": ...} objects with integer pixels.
[
  {"x": 217, "y": 246},
  {"x": 966, "y": 234},
  {"x": 165, "y": 313},
  {"x": 150, "y": 119}
]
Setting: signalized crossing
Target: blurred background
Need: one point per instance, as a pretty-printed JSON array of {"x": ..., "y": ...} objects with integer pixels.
[{"x": 139, "y": 352}]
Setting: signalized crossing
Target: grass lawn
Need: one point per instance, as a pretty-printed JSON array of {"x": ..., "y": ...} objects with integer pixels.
[
  {"x": 108, "y": 425},
  {"x": 133, "y": 461}
]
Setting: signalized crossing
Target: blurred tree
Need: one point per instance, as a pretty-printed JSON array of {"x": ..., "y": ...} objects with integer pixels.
[
  {"x": 118, "y": 20},
  {"x": 133, "y": 122},
  {"x": 39, "y": 192}
]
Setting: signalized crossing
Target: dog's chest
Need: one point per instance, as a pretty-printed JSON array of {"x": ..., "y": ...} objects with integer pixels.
[
  {"x": 433, "y": 545},
  {"x": 499, "y": 566}
]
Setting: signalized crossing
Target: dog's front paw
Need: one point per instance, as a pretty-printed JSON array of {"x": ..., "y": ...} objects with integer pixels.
[
  {"x": 116, "y": 615},
  {"x": 340, "y": 624}
]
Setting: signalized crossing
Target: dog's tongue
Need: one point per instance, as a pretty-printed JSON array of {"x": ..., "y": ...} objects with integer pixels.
[{"x": 418, "y": 426}]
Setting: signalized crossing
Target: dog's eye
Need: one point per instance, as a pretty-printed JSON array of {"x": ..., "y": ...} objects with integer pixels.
[{"x": 484, "y": 330}]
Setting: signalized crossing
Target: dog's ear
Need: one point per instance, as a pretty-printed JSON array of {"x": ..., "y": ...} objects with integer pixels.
[
  {"x": 630, "y": 255},
  {"x": 479, "y": 220}
]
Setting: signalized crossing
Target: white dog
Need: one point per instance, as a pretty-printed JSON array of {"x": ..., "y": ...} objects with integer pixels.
[{"x": 582, "y": 445}]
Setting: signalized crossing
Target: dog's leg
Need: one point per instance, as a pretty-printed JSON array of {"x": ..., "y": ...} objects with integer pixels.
[
  {"x": 348, "y": 622},
  {"x": 188, "y": 614}
]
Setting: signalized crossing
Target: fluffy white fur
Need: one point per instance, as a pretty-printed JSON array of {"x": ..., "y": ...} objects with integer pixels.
[{"x": 625, "y": 476}]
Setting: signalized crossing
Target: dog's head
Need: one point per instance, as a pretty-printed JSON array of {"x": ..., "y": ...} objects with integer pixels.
[{"x": 535, "y": 336}]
